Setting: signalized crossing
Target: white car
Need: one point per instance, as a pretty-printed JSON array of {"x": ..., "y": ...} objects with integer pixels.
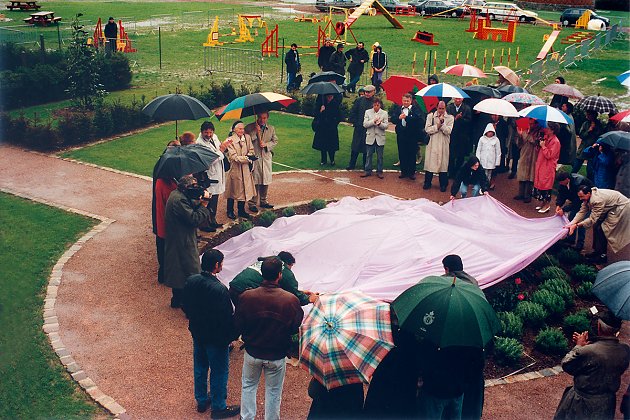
[{"x": 508, "y": 11}]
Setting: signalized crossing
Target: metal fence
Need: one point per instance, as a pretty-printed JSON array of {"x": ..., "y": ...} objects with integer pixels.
[
  {"x": 546, "y": 68},
  {"x": 233, "y": 61}
]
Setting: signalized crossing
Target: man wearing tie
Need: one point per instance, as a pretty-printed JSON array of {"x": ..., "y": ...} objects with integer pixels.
[
  {"x": 264, "y": 140},
  {"x": 407, "y": 120}
]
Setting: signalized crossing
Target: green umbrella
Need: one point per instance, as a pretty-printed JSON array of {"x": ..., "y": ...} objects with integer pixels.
[{"x": 448, "y": 312}]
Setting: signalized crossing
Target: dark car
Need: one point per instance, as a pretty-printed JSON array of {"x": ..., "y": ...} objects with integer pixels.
[
  {"x": 324, "y": 5},
  {"x": 391, "y": 5},
  {"x": 431, "y": 7},
  {"x": 570, "y": 16}
]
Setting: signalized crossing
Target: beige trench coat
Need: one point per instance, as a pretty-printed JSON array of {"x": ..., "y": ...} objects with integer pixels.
[
  {"x": 436, "y": 156},
  {"x": 528, "y": 144},
  {"x": 239, "y": 184},
  {"x": 262, "y": 167},
  {"x": 612, "y": 206}
]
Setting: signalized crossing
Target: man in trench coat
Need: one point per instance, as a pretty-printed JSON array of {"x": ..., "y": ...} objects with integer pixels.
[{"x": 264, "y": 140}]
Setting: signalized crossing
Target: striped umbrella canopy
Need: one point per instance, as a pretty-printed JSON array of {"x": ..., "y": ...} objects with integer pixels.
[
  {"x": 442, "y": 90},
  {"x": 524, "y": 98},
  {"x": 496, "y": 106},
  {"x": 344, "y": 338},
  {"x": 599, "y": 104},
  {"x": 564, "y": 90},
  {"x": 545, "y": 114},
  {"x": 247, "y": 105},
  {"x": 623, "y": 116},
  {"x": 464, "y": 70},
  {"x": 624, "y": 78}
]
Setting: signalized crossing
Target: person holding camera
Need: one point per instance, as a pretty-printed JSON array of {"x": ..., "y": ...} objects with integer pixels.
[
  {"x": 239, "y": 184},
  {"x": 184, "y": 213}
]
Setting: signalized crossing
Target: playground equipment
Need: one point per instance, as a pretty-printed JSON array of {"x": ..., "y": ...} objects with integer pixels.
[
  {"x": 582, "y": 22},
  {"x": 270, "y": 44},
  {"x": 98, "y": 38},
  {"x": 303, "y": 18},
  {"x": 123, "y": 43},
  {"x": 548, "y": 46},
  {"x": 425, "y": 38},
  {"x": 485, "y": 32},
  {"x": 478, "y": 58},
  {"x": 213, "y": 36},
  {"x": 244, "y": 34},
  {"x": 576, "y": 37},
  {"x": 379, "y": 8}
]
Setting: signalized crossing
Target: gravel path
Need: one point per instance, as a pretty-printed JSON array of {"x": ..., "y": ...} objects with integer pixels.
[{"x": 114, "y": 316}]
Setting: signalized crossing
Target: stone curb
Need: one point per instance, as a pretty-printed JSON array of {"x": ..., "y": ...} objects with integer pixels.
[
  {"x": 51, "y": 323},
  {"x": 522, "y": 377}
]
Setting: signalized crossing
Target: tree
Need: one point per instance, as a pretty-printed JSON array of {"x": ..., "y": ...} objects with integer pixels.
[{"x": 83, "y": 72}]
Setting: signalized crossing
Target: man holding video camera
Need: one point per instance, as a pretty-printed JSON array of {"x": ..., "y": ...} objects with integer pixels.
[{"x": 184, "y": 213}]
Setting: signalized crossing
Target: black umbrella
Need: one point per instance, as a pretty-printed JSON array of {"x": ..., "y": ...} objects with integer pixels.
[
  {"x": 478, "y": 93},
  {"x": 321, "y": 88},
  {"x": 616, "y": 140},
  {"x": 506, "y": 90},
  {"x": 184, "y": 160},
  {"x": 176, "y": 107},
  {"x": 327, "y": 76}
]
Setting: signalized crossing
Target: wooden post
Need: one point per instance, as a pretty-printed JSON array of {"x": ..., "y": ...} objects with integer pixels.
[
  {"x": 413, "y": 65},
  {"x": 424, "y": 68},
  {"x": 492, "y": 59},
  {"x": 447, "y": 54},
  {"x": 485, "y": 55},
  {"x": 501, "y": 59},
  {"x": 434, "y": 62},
  {"x": 516, "y": 58},
  {"x": 508, "y": 61},
  {"x": 457, "y": 58}
]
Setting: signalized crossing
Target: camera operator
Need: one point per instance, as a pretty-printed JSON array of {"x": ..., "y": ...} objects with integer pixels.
[{"x": 185, "y": 211}]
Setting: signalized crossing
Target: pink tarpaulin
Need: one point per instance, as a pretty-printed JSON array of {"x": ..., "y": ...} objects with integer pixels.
[{"x": 382, "y": 245}]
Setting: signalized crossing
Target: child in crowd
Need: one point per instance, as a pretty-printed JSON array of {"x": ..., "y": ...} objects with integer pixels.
[{"x": 489, "y": 151}]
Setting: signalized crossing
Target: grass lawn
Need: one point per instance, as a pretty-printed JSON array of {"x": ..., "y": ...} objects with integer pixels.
[
  {"x": 138, "y": 153},
  {"x": 34, "y": 384}
]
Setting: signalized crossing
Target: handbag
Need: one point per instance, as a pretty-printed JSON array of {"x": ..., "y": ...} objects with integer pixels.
[{"x": 226, "y": 164}]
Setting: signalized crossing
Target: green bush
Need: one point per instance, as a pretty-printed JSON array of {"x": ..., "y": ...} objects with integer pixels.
[
  {"x": 507, "y": 351},
  {"x": 545, "y": 260},
  {"x": 551, "y": 341},
  {"x": 245, "y": 225},
  {"x": 266, "y": 218},
  {"x": 553, "y": 273},
  {"x": 307, "y": 105},
  {"x": 553, "y": 303},
  {"x": 531, "y": 313},
  {"x": 288, "y": 211},
  {"x": 584, "y": 272},
  {"x": 318, "y": 204},
  {"x": 569, "y": 256},
  {"x": 511, "y": 325},
  {"x": 504, "y": 296},
  {"x": 561, "y": 288},
  {"x": 114, "y": 70},
  {"x": 577, "y": 322},
  {"x": 584, "y": 290}
]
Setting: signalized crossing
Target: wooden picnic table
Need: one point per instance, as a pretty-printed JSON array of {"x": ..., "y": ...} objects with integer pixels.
[
  {"x": 42, "y": 18},
  {"x": 23, "y": 5}
]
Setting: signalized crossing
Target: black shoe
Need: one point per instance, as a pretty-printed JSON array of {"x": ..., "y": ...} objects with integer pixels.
[
  {"x": 322, "y": 163},
  {"x": 203, "y": 407},
  {"x": 253, "y": 208},
  {"x": 519, "y": 197},
  {"x": 209, "y": 228},
  {"x": 512, "y": 175},
  {"x": 229, "y": 411},
  {"x": 577, "y": 247},
  {"x": 442, "y": 189},
  {"x": 231, "y": 215},
  {"x": 266, "y": 206},
  {"x": 349, "y": 168},
  {"x": 401, "y": 176},
  {"x": 380, "y": 176},
  {"x": 332, "y": 163},
  {"x": 412, "y": 177},
  {"x": 426, "y": 187},
  {"x": 244, "y": 215},
  {"x": 175, "y": 303},
  {"x": 527, "y": 200},
  {"x": 597, "y": 258},
  {"x": 365, "y": 175}
]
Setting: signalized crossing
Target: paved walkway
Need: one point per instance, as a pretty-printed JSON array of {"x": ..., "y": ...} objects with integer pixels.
[{"x": 114, "y": 317}]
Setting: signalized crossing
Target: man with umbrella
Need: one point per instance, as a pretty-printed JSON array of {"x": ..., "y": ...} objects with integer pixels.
[
  {"x": 459, "y": 146},
  {"x": 357, "y": 114},
  {"x": 358, "y": 56},
  {"x": 264, "y": 140}
]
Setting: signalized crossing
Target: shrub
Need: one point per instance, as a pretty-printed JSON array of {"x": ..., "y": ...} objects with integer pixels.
[
  {"x": 584, "y": 290},
  {"x": 511, "y": 325},
  {"x": 562, "y": 288},
  {"x": 553, "y": 303},
  {"x": 551, "y": 341},
  {"x": 75, "y": 126},
  {"x": 308, "y": 105},
  {"x": 569, "y": 256},
  {"x": 267, "y": 218},
  {"x": 577, "y": 322},
  {"x": 288, "y": 211},
  {"x": 553, "y": 273},
  {"x": 545, "y": 260},
  {"x": 583, "y": 273},
  {"x": 115, "y": 71},
  {"x": 318, "y": 204},
  {"x": 245, "y": 225},
  {"x": 507, "y": 351},
  {"x": 531, "y": 313}
]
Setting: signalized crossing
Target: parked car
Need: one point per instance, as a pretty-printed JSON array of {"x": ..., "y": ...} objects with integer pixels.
[
  {"x": 391, "y": 5},
  {"x": 509, "y": 11},
  {"x": 570, "y": 16},
  {"x": 324, "y": 5},
  {"x": 431, "y": 7}
]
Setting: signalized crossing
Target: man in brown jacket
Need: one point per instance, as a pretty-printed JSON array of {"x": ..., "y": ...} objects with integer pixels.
[{"x": 266, "y": 317}]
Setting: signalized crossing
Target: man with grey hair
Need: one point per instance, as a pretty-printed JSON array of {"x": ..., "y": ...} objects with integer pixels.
[
  {"x": 264, "y": 139},
  {"x": 360, "y": 105},
  {"x": 438, "y": 126}
]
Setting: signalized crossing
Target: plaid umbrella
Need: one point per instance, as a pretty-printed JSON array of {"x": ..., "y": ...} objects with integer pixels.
[
  {"x": 599, "y": 104},
  {"x": 344, "y": 338},
  {"x": 247, "y": 105},
  {"x": 524, "y": 98}
]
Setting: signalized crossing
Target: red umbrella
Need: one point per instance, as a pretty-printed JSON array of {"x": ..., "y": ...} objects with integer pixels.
[
  {"x": 396, "y": 86},
  {"x": 623, "y": 116},
  {"x": 464, "y": 70}
]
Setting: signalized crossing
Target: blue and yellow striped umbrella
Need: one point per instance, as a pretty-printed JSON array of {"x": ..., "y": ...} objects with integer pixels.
[{"x": 247, "y": 105}]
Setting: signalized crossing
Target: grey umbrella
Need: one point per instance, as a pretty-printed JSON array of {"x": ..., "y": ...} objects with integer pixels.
[
  {"x": 612, "y": 287},
  {"x": 616, "y": 140},
  {"x": 327, "y": 76},
  {"x": 321, "y": 88},
  {"x": 176, "y": 107}
]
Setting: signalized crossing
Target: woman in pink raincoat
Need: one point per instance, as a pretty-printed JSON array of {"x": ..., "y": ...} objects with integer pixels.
[{"x": 548, "y": 154}]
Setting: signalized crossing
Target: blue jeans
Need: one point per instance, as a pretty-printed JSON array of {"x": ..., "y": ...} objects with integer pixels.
[
  {"x": 431, "y": 407},
  {"x": 290, "y": 79},
  {"x": 379, "y": 158},
  {"x": 354, "y": 79},
  {"x": 463, "y": 190},
  {"x": 274, "y": 380},
  {"x": 215, "y": 358}
]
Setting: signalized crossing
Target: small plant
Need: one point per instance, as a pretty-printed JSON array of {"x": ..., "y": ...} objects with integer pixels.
[
  {"x": 551, "y": 341},
  {"x": 545, "y": 260},
  {"x": 577, "y": 322},
  {"x": 507, "y": 351},
  {"x": 569, "y": 256},
  {"x": 505, "y": 296},
  {"x": 584, "y": 272},
  {"x": 245, "y": 225},
  {"x": 553, "y": 273},
  {"x": 318, "y": 204},
  {"x": 531, "y": 313},
  {"x": 511, "y": 325},
  {"x": 561, "y": 288},
  {"x": 584, "y": 290},
  {"x": 266, "y": 218},
  {"x": 553, "y": 303},
  {"x": 288, "y": 211}
]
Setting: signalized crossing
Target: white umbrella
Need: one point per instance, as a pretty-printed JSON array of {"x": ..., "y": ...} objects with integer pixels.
[
  {"x": 546, "y": 113},
  {"x": 442, "y": 90},
  {"x": 497, "y": 107}
]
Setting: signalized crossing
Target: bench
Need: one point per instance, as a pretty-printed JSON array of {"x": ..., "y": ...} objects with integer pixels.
[{"x": 42, "y": 18}]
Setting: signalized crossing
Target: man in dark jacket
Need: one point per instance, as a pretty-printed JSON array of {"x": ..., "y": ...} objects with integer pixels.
[
  {"x": 211, "y": 324},
  {"x": 379, "y": 64},
  {"x": 360, "y": 105},
  {"x": 454, "y": 267},
  {"x": 407, "y": 119},
  {"x": 111, "y": 33},
  {"x": 324, "y": 53},
  {"x": 459, "y": 146},
  {"x": 266, "y": 318},
  {"x": 292, "y": 60},
  {"x": 338, "y": 61},
  {"x": 568, "y": 202},
  {"x": 358, "y": 57}
]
